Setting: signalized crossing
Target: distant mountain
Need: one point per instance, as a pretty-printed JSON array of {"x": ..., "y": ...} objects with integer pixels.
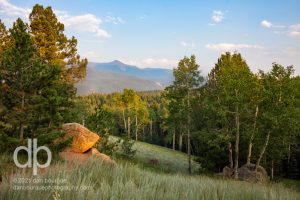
[
  {"x": 108, "y": 82},
  {"x": 162, "y": 76}
]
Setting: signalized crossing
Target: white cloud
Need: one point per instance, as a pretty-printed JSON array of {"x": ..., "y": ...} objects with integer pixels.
[
  {"x": 159, "y": 62},
  {"x": 183, "y": 44},
  {"x": 266, "y": 24},
  {"x": 90, "y": 54},
  {"x": 218, "y": 16},
  {"x": 114, "y": 20},
  {"x": 230, "y": 46},
  {"x": 9, "y": 9},
  {"x": 294, "y": 33},
  {"x": 295, "y": 27},
  {"x": 154, "y": 63},
  {"x": 294, "y": 30},
  {"x": 83, "y": 23}
]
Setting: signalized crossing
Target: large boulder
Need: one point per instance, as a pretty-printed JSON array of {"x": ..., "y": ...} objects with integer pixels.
[
  {"x": 227, "y": 172},
  {"x": 248, "y": 173},
  {"x": 73, "y": 157},
  {"x": 103, "y": 157},
  {"x": 83, "y": 138}
]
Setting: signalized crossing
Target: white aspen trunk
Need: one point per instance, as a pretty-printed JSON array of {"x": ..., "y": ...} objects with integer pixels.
[
  {"x": 251, "y": 138},
  {"x": 272, "y": 170},
  {"x": 174, "y": 138},
  {"x": 262, "y": 151},
  {"x": 128, "y": 126},
  {"x": 230, "y": 155},
  {"x": 237, "y": 141},
  {"x": 124, "y": 119},
  {"x": 180, "y": 142},
  {"x": 189, "y": 136}
]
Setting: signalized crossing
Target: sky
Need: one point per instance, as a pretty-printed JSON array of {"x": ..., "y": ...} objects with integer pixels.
[{"x": 158, "y": 33}]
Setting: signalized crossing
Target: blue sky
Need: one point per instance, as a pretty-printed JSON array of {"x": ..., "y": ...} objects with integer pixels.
[{"x": 158, "y": 33}]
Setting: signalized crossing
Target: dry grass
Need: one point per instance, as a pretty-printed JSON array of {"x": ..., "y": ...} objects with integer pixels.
[{"x": 128, "y": 181}]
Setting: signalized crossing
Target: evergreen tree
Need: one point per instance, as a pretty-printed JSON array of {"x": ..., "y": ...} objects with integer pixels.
[
  {"x": 34, "y": 98},
  {"x": 53, "y": 46}
]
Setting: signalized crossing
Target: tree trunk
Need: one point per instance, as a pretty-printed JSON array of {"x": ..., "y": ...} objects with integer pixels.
[
  {"x": 21, "y": 134},
  {"x": 124, "y": 119},
  {"x": 289, "y": 155},
  {"x": 151, "y": 128},
  {"x": 49, "y": 124},
  {"x": 136, "y": 128},
  {"x": 136, "y": 135},
  {"x": 251, "y": 138},
  {"x": 189, "y": 152},
  {"x": 262, "y": 151},
  {"x": 230, "y": 155},
  {"x": 128, "y": 126},
  {"x": 174, "y": 137},
  {"x": 180, "y": 142},
  {"x": 272, "y": 170},
  {"x": 237, "y": 141},
  {"x": 188, "y": 135}
]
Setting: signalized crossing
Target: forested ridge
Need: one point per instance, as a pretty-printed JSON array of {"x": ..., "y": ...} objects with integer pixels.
[{"x": 230, "y": 117}]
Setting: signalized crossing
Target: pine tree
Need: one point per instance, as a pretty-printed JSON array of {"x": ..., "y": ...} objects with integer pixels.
[
  {"x": 34, "y": 98},
  {"x": 53, "y": 46}
]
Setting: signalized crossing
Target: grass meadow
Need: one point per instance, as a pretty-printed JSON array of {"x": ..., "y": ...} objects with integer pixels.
[{"x": 95, "y": 180}]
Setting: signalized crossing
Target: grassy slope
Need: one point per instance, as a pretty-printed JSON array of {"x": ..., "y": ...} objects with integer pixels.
[
  {"x": 168, "y": 160},
  {"x": 294, "y": 184},
  {"x": 131, "y": 181},
  {"x": 128, "y": 181}
]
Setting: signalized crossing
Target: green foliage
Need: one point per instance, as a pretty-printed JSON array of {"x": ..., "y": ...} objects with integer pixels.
[
  {"x": 53, "y": 46},
  {"x": 102, "y": 121},
  {"x": 126, "y": 147},
  {"x": 107, "y": 146},
  {"x": 34, "y": 101},
  {"x": 211, "y": 148}
]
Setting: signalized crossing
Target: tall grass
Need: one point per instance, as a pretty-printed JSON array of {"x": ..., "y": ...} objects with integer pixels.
[{"x": 128, "y": 181}]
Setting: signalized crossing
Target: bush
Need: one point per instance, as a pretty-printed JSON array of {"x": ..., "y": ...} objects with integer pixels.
[
  {"x": 107, "y": 146},
  {"x": 127, "y": 150}
]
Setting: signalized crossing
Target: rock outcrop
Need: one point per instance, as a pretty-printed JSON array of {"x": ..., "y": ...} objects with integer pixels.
[
  {"x": 248, "y": 173},
  {"x": 83, "y": 138},
  {"x": 81, "y": 158},
  {"x": 81, "y": 148}
]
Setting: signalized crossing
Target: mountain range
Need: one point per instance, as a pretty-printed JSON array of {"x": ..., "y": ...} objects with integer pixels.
[{"x": 115, "y": 76}]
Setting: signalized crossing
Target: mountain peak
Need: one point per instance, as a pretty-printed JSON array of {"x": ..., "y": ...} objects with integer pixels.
[{"x": 117, "y": 62}]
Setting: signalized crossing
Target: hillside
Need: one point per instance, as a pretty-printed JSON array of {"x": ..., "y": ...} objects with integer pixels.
[
  {"x": 162, "y": 158},
  {"x": 108, "y": 82},
  {"x": 160, "y": 75}
]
